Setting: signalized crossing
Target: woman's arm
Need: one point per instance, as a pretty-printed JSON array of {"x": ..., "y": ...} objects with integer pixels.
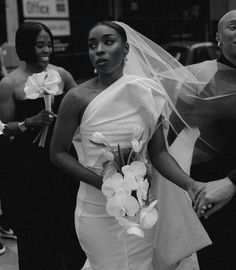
[
  {"x": 167, "y": 166},
  {"x": 68, "y": 79},
  {"x": 7, "y": 111},
  {"x": 7, "y": 104},
  {"x": 66, "y": 124}
]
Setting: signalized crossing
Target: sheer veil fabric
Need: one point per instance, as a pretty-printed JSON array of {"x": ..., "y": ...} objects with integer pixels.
[
  {"x": 179, "y": 232},
  {"x": 198, "y": 95}
]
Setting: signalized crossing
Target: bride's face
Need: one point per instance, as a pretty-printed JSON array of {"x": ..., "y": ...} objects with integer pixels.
[{"x": 106, "y": 49}]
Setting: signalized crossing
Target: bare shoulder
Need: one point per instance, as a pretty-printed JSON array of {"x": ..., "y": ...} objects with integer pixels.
[
  {"x": 13, "y": 81},
  {"x": 82, "y": 94},
  {"x": 62, "y": 71},
  {"x": 7, "y": 84}
]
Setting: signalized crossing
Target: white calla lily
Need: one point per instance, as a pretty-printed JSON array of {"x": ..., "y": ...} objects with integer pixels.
[
  {"x": 138, "y": 132},
  {"x": 136, "y": 145},
  {"x": 98, "y": 137},
  {"x": 42, "y": 83},
  {"x": 106, "y": 156}
]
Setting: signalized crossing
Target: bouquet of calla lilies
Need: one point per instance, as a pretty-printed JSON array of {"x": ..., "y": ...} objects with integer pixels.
[
  {"x": 43, "y": 84},
  {"x": 126, "y": 185}
]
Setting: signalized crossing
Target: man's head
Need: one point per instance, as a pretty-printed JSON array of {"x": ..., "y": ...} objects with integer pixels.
[{"x": 226, "y": 35}]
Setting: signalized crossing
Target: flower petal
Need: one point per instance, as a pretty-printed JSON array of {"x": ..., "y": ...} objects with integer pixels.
[
  {"x": 111, "y": 184},
  {"x": 139, "y": 168},
  {"x": 136, "y": 145},
  {"x": 148, "y": 218},
  {"x": 135, "y": 230},
  {"x": 130, "y": 205},
  {"x": 112, "y": 207},
  {"x": 138, "y": 132},
  {"x": 98, "y": 138}
]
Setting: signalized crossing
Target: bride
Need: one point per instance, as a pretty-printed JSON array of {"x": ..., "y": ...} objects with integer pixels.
[{"x": 113, "y": 103}]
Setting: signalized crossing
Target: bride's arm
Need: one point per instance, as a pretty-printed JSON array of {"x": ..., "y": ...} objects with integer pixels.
[
  {"x": 66, "y": 124},
  {"x": 167, "y": 166}
]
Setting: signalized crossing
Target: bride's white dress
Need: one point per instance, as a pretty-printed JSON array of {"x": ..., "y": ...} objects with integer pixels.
[{"x": 128, "y": 102}]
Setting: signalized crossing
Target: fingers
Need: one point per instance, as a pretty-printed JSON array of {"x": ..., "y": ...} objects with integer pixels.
[
  {"x": 212, "y": 210},
  {"x": 51, "y": 114},
  {"x": 205, "y": 208}
]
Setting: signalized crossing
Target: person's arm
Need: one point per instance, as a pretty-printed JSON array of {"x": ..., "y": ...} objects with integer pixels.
[
  {"x": 7, "y": 112},
  {"x": 167, "y": 166},
  {"x": 7, "y": 104},
  {"x": 66, "y": 124},
  {"x": 68, "y": 79}
]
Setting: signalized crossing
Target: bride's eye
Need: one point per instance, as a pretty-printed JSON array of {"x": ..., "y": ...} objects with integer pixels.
[
  {"x": 109, "y": 42},
  {"x": 91, "y": 46}
]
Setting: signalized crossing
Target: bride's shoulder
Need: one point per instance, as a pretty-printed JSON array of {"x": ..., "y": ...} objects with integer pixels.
[{"x": 81, "y": 93}]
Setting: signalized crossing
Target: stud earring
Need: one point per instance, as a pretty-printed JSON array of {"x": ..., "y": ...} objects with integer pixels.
[{"x": 219, "y": 43}]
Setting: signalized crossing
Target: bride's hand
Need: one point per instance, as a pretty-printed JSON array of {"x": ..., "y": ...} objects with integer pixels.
[{"x": 194, "y": 189}]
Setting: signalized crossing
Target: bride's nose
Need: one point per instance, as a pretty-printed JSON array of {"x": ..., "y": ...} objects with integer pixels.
[{"x": 100, "y": 49}]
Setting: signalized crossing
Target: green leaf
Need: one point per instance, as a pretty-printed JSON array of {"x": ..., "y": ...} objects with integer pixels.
[{"x": 120, "y": 157}]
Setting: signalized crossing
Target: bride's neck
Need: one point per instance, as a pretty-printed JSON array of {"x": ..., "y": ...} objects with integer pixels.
[{"x": 105, "y": 80}]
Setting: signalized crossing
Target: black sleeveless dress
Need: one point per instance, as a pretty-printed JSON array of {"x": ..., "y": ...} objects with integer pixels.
[{"x": 43, "y": 200}]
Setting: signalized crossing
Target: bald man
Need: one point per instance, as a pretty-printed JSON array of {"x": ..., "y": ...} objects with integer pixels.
[{"x": 217, "y": 201}]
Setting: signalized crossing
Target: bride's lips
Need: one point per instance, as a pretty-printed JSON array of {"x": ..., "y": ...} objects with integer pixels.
[{"x": 101, "y": 61}]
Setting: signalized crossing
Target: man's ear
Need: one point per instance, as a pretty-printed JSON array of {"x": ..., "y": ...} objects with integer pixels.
[{"x": 218, "y": 39}]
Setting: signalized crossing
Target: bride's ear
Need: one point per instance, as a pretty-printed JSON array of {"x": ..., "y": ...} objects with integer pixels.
[{"x": 126, "y": 48}]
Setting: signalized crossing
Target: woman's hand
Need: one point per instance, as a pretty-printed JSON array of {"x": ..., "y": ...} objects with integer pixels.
[
  {"x": 194, "y": 189},
  {"x": 213, "y": 196},
  {"x": 43, "y": 118}
]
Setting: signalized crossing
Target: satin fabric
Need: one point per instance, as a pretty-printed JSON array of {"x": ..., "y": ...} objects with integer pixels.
[
  {"x": 129, "y": 101},
  {"x": 114, "y": 112}
]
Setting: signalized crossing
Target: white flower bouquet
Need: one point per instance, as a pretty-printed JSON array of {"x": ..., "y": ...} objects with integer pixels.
[
  {"x": 125, "y": 184},
  {"x": 43, "y": 84}
]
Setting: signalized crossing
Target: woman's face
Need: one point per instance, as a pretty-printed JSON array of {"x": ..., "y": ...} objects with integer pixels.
[
  {"x": 43, "y": 48},
  {"x": 106, "y": 49}
]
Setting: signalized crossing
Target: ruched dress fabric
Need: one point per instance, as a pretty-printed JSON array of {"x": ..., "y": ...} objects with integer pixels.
[{"x": 128, "y": 102}]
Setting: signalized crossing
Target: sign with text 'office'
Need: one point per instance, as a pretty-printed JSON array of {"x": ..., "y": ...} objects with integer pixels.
[{"x": 45, "y": 8}]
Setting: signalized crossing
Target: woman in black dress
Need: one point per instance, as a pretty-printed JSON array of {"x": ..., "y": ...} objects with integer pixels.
[{"x": 42, "y": 197}]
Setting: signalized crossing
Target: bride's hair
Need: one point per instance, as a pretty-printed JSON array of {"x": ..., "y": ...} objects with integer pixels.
[{"x": 119, "y": 29}]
